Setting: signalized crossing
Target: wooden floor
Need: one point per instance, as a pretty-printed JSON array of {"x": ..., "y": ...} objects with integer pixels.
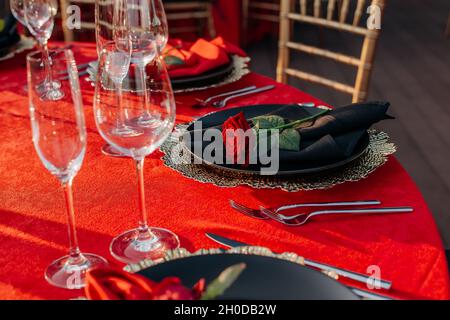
[{"x": 412, "y": 71}]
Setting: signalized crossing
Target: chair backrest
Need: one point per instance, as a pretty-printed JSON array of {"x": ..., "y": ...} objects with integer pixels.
[
  {"x": 268, "y": 10},
  {"x": 265, "y": 10},
  {"x": 332, "y": 14},
  {"x": 176, "y": 10},
  {"x": 200, "y": 10}
]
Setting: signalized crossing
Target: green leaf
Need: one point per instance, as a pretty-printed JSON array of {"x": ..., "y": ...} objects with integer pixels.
[
  {"x": 173, "y": 60},
  {"x": 290, "y": 140},
  {"x": 267, "y": 122},
  {"x": 218, "y": 286}
]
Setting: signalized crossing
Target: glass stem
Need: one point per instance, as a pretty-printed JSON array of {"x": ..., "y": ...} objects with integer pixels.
[
  {"x": 121, "y": 117},
  {"x": 142, "y": 75},
  {"x": 143, "y": 227},
  {"x": 47, "y": 64},
  {"x": 74, "y": 251}
]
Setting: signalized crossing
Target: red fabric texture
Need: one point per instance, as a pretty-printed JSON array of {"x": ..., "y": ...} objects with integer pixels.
[
  {"x": 200, "y": 56},
  {"x": 33, "y": 230}
]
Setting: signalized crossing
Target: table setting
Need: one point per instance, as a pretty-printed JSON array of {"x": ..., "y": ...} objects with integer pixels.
[{"x": 186, "y": 176}]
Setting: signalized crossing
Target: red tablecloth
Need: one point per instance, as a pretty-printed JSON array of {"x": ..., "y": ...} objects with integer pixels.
[{"x": 33, "y": 229}]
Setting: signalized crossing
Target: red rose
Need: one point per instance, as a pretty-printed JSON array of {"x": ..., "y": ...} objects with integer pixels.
[
  {"x": 237, "y": 145},
  {"x": 173, "y": 289},
  {"x": 115, "y": 284}
]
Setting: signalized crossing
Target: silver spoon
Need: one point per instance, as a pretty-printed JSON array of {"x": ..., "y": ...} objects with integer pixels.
[{"x": 303, "y": 218}]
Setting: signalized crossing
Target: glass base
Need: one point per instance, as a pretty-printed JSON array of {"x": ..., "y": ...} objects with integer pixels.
[
  {"x": 126, "y": 131},
  {"x": 109, "y": 150},
  {"x": 148, "y": 121},
  {"x": 132, "y": 246},
  {"x": 68, "y": 274},
  {"x": 51, "y": 90}
]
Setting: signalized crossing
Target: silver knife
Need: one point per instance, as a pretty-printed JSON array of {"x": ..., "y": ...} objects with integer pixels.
[{"x": 359, "y": 277}]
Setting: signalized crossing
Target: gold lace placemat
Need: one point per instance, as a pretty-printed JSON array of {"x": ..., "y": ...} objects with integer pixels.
[{"x": 375, "y": 156}]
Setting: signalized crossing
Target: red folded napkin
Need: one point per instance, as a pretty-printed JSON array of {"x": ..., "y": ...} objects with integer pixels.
[
  {"x": 115, "y": 284},
  {"x": 190, "y": 59}
]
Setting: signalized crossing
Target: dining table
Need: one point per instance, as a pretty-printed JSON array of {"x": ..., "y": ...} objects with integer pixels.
[{"x": 406, "y": 248}]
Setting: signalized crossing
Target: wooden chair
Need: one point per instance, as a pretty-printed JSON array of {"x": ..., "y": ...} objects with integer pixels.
[
  {"x": 200, "y": 11},
  {"x": 265, "y": 10},
  {"x": 175, "y": 9},
  {"x": 363, "y": 63}
]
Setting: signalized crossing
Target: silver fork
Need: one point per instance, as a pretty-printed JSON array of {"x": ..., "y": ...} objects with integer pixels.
[
  {"x": 303, "y": 218},
  {"x": 256, "y": 213},
  {"x": 223, "y": 103},
  {"x": 206, "y": 102}
]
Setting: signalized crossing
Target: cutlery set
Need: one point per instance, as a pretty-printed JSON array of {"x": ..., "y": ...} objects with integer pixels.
[
  {"x": 214, "y": 101},
  {"x": 330, "y": 270},
  {"x": 301, "y": 218}
]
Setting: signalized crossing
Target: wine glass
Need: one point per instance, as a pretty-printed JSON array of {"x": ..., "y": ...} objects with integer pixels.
[
  {"x": 17, "y": 10},
  {"x": 39, "y": 19},
  {"x": 159, "y": 24},
  {"x": 59, "y": 137},
  {"x": 143, "y": 242}
]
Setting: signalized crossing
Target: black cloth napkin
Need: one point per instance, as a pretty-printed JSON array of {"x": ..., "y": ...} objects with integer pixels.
[{"x": 334, "y": 136}]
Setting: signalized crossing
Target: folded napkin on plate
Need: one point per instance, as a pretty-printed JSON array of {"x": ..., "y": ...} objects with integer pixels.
[
  {"x": 186, "y": 59},
  {"x": 335, "y": 135}
]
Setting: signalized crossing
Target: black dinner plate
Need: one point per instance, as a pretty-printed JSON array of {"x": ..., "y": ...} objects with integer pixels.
[
  {"x": 265, "y": 278},
  {"x": 286, "y": 168},
  {"x": 204, "y": 79}
]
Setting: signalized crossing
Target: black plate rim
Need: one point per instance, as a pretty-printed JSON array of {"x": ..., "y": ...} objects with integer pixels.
[
  {"x": 222, "y": 70},
  {"x": 297, "y": 265},
  {"x": 323, "y": 168}
]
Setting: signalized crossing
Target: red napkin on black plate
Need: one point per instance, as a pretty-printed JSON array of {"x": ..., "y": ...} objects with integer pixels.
[{"x": 186, "y": 59}]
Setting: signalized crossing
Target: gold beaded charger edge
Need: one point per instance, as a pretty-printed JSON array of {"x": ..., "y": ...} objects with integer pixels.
[{"x": 375, "y": 156}]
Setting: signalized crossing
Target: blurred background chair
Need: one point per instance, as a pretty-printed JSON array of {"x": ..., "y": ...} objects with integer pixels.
[
  {"x": 332, "y": 14},
  {"x": 186, "y": 16},
  {"x": 260, "y": 10},
  {"x": 195, "y": 16}
]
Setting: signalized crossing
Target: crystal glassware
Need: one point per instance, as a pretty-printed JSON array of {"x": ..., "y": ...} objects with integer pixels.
[
  {"x": 160, "y": 25},
  {"x": 59, "y": 137},
  {"x": 143, "y": 242},
  {"x": 39, "y": 18},
  {"x": 17, "y": 10}
]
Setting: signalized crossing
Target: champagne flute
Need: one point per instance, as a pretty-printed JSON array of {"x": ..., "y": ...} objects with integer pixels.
[
  {"x": 17, "y": 10},
  {"x": 143, "y": 242},
  {"x": 143, "y": 23},
  {"x": 39, "y": 17},
  {"x": 118, "y": 56},
  {"x": 59, "y": 137},
  {"x": 112, "y": 34}
]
